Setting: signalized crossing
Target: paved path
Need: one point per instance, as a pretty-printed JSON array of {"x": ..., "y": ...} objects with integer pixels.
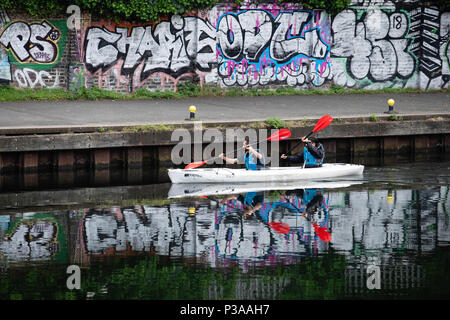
[{"x": 133, "y": 112}]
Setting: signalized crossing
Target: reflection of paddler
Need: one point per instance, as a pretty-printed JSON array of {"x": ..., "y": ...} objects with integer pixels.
[
  {"x": 251, "y": 201},
  {"x": 269, "y": 206},
  {"x": 312, "y": 199}
]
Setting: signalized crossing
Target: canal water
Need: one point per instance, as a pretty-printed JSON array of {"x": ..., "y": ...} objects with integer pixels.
[{"x": 384, "y": 235}]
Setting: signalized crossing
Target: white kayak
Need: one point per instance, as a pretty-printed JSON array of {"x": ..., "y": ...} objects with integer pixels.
[
  {"x": 181, "y": 190},
  {"x": 269, "y": 174}
]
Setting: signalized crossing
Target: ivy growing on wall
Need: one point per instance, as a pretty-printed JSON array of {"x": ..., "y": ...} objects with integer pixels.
[
  {"x": 332, "y": 7},
  {"x": 142, "y": 10},
  {"x": 152, "y": 10}
]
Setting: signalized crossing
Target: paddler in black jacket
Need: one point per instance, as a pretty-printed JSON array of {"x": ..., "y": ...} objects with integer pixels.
[{"x": 312, "y": 155}]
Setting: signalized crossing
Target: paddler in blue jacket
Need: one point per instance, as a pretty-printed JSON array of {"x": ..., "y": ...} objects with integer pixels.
[
  {"x": 312, "y": 155},
  {"x": 253, "y": 158}
]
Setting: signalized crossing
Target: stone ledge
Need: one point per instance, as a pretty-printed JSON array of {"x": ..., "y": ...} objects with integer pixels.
[{"x": 100, "y": 140}]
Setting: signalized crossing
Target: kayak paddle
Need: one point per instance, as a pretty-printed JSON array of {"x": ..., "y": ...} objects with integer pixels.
[
  {"x": 322, "y": 232},
  {"x": 280, "y": 227},
  {"x": 276, "y": 136},
  {"x": 321, "y": 124}
]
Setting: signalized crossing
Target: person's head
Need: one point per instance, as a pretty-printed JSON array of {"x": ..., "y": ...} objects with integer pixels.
[
  {"x": 248, "y": 211},
  {"x": 245, "y": 144},
  {"x": 314, "y": 140}
]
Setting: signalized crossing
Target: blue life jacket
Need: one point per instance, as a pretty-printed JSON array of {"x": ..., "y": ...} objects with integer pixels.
[
  {"x": 252, "y": 162},
  {"x": 309, "y": 159},
  {"x": 308, "y": 195},
  {"x": 248, "y": 198}
]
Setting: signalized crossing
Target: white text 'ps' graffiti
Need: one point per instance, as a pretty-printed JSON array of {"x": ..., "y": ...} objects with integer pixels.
[{"x": 31, "y": 42}]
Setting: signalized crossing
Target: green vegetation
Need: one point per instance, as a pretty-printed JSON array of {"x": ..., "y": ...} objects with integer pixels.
[
  {"x": 145, "y": 11},
  {"x": 150, "y": 277},
  {"x": 8, "y": 93},
  {"x": 373, "y": 118},
  {"x": 332, "y": 7},
  {"x": 394, "y": 117},
  {"x": 146, "y": 128},
  {"x": 275, "y": 123},
  {"x": 153, "y": 10}
]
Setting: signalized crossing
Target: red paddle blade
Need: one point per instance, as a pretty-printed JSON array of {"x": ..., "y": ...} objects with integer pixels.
[
  {"x": 280, "y": 135},
  {"x": 194, "y": 165},
  {"x": 323, "y": 123},
  {"x": 280, "y": 227},
  {"x": 322, "y": 233}
]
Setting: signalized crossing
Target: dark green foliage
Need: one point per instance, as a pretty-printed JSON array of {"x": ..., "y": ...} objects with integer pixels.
[
  {"x": 332, "y": 7},
  {"x": 143, "y": 10},
  {"x": 443, "y": 5},
  {"x": 153, "y": 10},
  {"x": 130, "y": 10},
  {"x": 189, "y": 89}
]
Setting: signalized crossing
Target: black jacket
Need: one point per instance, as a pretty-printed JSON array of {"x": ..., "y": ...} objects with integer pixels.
[{"x": 317, "y": 152}]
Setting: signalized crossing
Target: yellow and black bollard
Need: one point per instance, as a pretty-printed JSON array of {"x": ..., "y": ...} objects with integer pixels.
[
  {"x": 390, "y": 196},
  {"x": 192, "y": 111},
  {"x": 191, "y": 211},
  {"x": 391, "y": 103}
]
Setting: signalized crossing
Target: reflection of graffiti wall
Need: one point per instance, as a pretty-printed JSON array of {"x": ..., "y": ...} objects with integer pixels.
[
  {"x": 365, "y": 222},
  {"x": 34, "y": 237},
  {"x": 372, "y": 44}
]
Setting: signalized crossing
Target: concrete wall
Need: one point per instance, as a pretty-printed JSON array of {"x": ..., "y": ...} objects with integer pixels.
[{"x": 372, "y": 45}]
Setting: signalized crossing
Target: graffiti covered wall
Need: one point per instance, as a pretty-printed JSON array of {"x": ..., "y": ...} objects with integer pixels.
[
  {"x": 31, "y": 52},
  {"x": 372, "y": 44}
]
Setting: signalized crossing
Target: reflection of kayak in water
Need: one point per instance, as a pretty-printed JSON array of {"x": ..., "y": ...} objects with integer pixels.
[
  {"x": 269, "y": 174},
  {"x": 180, "y": 190}
]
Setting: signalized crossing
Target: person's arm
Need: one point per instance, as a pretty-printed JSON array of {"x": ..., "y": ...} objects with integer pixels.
[
  {"x": 229, "y": 197},
  {"x": 294, "y": 159},
  {"x": 256, "y": 153},
  {"x": 250, "y": 210},
  {"x": 228, "y": 160}
]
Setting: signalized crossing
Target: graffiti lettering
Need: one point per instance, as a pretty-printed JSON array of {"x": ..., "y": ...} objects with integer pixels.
[
  {"x": 35, "y": 42},
  {"x": 34, "y": 240},
  {"x": 257, "y": 48},
  {"x": 444, "y": 50},
  {"x": 376, "y": 47},
  {"x": 374, "y": 44},
  {"x": 5, "y": 68},
  {"x": 27, "y": 77},
  {"x": 173, "y": 47}
]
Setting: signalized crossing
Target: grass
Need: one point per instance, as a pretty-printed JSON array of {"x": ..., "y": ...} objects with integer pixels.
[
  {"x": 185, "y": 90},
  {"x": 146, "y": 128},
  {"x": 394, "y": 117}
]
